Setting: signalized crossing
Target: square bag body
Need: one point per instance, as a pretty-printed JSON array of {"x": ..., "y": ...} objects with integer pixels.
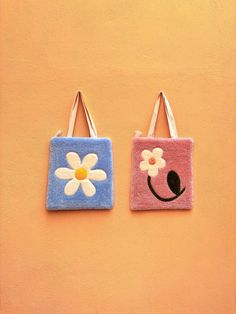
[
  {"x": 80, "y": 169},
  {"x": 161, "y": 167}
]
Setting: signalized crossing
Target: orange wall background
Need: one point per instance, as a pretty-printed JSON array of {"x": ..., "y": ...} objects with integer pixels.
[{"x": 120, "y": 54}]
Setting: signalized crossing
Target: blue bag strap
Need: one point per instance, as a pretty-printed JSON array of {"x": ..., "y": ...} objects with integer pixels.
[{"x": 73, "y": 114}]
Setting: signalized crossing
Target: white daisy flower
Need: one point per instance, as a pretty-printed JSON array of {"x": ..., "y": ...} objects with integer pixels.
[
  {"x": 152, "y": 161},
  {"x": 80, "y": 173}
]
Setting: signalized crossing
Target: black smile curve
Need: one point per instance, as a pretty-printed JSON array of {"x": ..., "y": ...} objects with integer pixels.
[{"x": 158, "y": 196}]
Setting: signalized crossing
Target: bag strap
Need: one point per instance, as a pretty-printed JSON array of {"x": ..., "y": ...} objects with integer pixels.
[
  {"x": 91, "y": 126},
  {"x": 169, "y": 115},
  {"x": 92, "y": 129}
]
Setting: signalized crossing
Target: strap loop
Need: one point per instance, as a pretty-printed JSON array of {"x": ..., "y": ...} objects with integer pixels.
[
  {"x": 91, "y": 126},
  {"x": 169, "y": 115}
]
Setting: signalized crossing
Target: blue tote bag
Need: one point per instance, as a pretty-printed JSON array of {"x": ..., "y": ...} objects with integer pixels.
[{"x": 80, "y": 168}]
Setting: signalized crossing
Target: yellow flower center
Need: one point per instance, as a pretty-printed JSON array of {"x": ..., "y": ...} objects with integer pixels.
[{"x": 81, "y": 173}]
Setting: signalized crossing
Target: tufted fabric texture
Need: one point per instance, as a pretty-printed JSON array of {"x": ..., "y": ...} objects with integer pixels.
[
  {"x": 177, "y": 154},
  {"x": 59, "y": 148}
]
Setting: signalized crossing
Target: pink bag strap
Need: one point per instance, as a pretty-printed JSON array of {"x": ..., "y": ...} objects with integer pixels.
[
  {"x": 91, "y": 126},
  {"x": 169, "y": 115}
]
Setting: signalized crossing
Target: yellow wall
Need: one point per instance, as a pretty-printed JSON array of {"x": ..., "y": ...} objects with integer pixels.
[{"x": 120, "y": 54}]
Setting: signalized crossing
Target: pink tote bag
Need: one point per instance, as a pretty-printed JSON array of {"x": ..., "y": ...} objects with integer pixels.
[{"x": 161, "y": 167}]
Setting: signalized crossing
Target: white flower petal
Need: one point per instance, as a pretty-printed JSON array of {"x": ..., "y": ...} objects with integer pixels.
[
  {"x": 98, "y": 175},
  {"x": 73, "y": 160},
  {"x": 144, "y": 165},
  {"x": 64, "y": 173},
  {"x": 88, "y": 188},
  {"x": 153, "y": 172},
  {"x": 146, "y": 154},
  {"x": 157, "y": 152},
  {"x": 160, "y": 163},
  {"x": 151, "y": 167},
  {"x": 71, "y": 187},
  {"x": 89, "y": 161}
]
